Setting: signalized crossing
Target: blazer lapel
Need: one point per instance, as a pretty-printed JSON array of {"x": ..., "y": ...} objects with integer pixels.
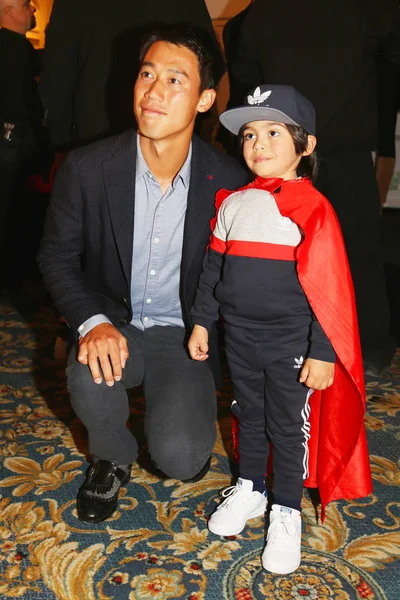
[
  {"x": 200, "y": 204},
  {"x": 119, "y": 179}
]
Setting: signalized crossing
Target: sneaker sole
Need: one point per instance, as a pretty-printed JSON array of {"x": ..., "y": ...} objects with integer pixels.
[
  {"x": 226, "y": 533},
  {"x": 279, "y": 570}
]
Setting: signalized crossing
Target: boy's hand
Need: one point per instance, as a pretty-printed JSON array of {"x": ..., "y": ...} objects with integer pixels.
[
  {"x": 198, "y": 343},
  {"x": 317, "y": 374}
]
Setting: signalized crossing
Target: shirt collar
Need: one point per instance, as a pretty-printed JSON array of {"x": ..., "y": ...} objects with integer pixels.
[{"x": 142, "y": 169}]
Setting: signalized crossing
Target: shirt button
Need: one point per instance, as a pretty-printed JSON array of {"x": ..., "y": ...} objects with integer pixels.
[
  {"x": 156, "y": 240},
  {"x": 146, "y": 319},
  {"x": 148, "y": 301},
  {"x": 152, "y": 272}
]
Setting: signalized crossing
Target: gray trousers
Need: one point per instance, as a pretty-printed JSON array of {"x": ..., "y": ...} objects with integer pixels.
[{"x": 180, "y": 403}]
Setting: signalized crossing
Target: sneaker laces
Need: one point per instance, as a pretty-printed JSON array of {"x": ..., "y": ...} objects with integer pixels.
[
  {"x": 283, "y": 524},
  {"x": 229, "y": 494}
]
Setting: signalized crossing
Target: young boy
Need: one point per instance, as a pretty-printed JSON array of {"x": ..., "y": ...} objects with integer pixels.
[{"x": 277, "y": 271}]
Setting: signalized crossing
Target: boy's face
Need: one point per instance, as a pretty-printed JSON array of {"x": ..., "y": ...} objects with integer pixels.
[
  {"x": 269, "y": 151},
  {"x": 167, "y": 93}
]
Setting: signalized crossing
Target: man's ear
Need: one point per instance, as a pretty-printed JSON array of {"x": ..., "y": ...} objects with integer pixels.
[
  {"x": 312, "y": 142},
  {"x": 206, "y": 100}
]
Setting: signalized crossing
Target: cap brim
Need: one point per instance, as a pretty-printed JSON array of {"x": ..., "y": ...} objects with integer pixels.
[{"x": 235, "y": 118}]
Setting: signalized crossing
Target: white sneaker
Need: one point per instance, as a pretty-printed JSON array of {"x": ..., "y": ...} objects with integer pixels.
[
  {"x": 240, "y": 505},
  {"x": 282, "y": 554}
]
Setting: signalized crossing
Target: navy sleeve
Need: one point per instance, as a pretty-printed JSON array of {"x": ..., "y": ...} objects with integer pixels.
[
  {"x": 205, "y": 309},
  {"x": 320, "y": 347}
]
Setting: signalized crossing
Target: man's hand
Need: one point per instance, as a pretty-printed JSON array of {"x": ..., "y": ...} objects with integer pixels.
[
  {"x": 317, "y": 374},
  {"x": 105, "y": 350},
  {"x": 198, "y": 343}
]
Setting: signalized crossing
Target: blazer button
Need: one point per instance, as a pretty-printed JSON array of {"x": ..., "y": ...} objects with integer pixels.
[
  {"x": 125, "y": 301},
  {"x": 124, "y": 321}
]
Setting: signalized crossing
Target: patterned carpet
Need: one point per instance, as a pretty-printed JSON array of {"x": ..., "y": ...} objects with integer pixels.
[{"x": 157, "y": 545}]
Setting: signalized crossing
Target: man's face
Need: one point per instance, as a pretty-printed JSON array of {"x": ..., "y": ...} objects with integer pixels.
[
  {"x": 23, "y": 15},
  {"x": 166, "y": 96}
]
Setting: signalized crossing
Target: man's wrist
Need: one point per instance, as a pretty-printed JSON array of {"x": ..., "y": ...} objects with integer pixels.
[{"x": 91, "y": 323}]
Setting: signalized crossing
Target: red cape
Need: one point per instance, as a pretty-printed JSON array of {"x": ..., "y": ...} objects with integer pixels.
[{"x": 339, "y": 462}]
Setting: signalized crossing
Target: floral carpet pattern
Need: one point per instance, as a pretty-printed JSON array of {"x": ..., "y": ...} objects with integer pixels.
[{"x": 157, "y": 546}]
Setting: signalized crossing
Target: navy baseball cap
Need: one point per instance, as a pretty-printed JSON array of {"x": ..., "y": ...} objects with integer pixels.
[{"x": 280, "y": 103}]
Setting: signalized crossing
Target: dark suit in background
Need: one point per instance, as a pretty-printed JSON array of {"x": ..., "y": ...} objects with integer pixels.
[
  {"x": 90, "y": 62},
  {"x": 327, "y": 52},
  {"x": 21, "y": 112},
  {"x": 388, "y": 68},
  {"x": 230, "y": 36}
]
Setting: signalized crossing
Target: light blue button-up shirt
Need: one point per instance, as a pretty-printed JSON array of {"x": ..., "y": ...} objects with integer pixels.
[
  {"x": 157, "y": 246},
  {"x": 157, "y": 249}
]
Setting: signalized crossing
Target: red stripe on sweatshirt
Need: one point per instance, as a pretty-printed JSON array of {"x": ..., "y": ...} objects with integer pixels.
[{"x": 254, "y": 249}]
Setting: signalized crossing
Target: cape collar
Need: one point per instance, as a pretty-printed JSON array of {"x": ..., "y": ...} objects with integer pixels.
[{"x": 270, "y": 184}]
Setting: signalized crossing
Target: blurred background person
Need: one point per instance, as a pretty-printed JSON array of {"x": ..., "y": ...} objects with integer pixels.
[
  {"x": 388, "y": 67},
  {"x": 388, "y": 70},
  {"x": 21, "y": 131},
  {"x": 90, "y": 62},
  {"x": 328, "y": 51},
  {"x": 230, "y": 35}
]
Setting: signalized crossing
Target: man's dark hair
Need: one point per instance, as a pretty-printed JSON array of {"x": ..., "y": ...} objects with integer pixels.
[{"x": 194, "y": 38}]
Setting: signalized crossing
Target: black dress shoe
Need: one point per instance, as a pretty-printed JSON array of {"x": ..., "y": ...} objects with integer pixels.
[
  {"x": 98, "y": 496},
  {"x": 202, "y": 473}
]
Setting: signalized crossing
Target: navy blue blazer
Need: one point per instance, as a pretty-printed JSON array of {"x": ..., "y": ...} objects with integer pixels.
[{"x": 86, "y": 251}]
